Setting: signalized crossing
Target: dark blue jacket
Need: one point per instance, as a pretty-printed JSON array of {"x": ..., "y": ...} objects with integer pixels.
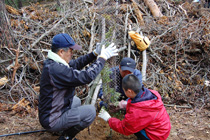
[
  {"x": 116, "y": 83},
  {"x": 58, "y": 84}
]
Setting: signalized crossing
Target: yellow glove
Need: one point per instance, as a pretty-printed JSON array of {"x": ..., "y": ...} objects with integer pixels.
[{"x": 142, "y": 42}]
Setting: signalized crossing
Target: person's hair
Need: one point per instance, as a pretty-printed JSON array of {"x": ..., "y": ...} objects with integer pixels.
[
  {"x": 130, "y": 81},
  {"x": 56, "y": 49}
]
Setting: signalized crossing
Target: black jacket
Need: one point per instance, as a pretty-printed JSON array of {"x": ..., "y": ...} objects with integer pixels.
[{"x": 58, "y": 84}]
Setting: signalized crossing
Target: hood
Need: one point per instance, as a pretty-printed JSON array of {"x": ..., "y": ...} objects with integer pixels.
[{"x": 148, "y": 100}]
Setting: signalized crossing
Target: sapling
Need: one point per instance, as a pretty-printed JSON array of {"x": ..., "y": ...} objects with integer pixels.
[{"x": 110, "y": 96}]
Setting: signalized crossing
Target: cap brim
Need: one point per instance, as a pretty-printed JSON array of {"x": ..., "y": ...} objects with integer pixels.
[
  {"x": 76, "y": 47},
  {"x": 127, "y": 68}
]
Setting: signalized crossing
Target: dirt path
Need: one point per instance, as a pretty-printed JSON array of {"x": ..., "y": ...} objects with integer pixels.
[{"x": 186, "y": 125}]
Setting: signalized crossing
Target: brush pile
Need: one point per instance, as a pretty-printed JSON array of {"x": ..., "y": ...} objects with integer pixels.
[{"x": 178, "y": 57}]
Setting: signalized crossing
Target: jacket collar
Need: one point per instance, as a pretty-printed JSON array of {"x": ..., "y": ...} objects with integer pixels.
[
  {"x": 56, "y": 58},
  {"x": 144, "y": 95}
]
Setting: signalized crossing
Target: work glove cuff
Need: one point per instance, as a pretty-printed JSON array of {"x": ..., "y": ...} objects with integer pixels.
[
  {"x": 104, "y": 115},
  {"x": 97, "y": 51}
]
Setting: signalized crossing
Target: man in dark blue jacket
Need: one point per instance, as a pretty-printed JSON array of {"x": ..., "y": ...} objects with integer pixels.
[
  {"x": 127, "y": 66},
  {"x": 59, "y": 108}
]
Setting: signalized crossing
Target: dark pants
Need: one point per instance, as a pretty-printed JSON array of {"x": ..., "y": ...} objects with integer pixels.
[
  {"x": 78, "y": 115},
  {"x": 140, "y": 136}
]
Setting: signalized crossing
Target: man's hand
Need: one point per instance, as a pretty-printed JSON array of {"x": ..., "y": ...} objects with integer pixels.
[
  {"x": 109, "y": 52},
  {"x": 97, "y": 51},
  {"x": 122, "y": 104},
  {"x": 104, "y": 115}
]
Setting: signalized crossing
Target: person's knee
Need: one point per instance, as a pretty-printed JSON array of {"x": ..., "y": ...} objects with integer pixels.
[
  {"x": 88, "y": 115},
  {"x": 76, "y": 102},
  {"x": 92, "y": 111}
]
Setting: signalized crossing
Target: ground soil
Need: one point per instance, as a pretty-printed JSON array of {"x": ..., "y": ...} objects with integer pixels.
[{"x": 187, "y": 124}]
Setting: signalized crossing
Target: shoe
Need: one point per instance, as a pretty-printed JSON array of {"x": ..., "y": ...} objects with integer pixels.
[
  {"x": 66, "y": 138},
  {"x": 61, "y": 138}
]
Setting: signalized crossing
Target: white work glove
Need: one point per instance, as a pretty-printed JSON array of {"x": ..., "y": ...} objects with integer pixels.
[
  {"x": 97, "y": 51},
  {"x": 122, "y": 104},
  {"x": 104, "y": 115},
  {"x": 108, "y": 52}
]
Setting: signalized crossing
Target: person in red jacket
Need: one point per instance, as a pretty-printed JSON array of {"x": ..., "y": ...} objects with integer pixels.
[{"x": 146, "y": 116}]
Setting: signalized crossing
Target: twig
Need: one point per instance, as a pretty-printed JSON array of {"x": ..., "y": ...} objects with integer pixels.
[
  {"x": 17, "y": 65},
  {"x": 122, "y": 49},
  {"x": 171, "y": 105},
  {"x": 12, "y": 65},
  {"x": 129, "y": 44},
  {"x": 95, "y": 94},
  {"x": 126, "y": 28},
  {"x": 92, "y": 34},
  {"x": 103, "y": 24},
  {"x": 49, "y": 31},
  {"x": 92, "y": 89},
  {"x": 48, "y": 44},
  {"x": 180, "y": 6},
  {"x": 144, "y": 67}
]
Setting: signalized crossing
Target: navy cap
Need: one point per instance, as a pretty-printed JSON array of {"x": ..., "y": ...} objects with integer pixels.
[
  {"x": 128, "y": 64},
  {"x": 63, "y": 40}
]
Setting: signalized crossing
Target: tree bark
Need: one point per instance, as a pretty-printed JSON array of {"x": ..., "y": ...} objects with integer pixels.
[{"x": 153, "y": 8}]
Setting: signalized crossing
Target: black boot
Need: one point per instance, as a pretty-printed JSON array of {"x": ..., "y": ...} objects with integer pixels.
[
  {"x": 72, "y": 132},
  {"x": 65, "y": 138}
]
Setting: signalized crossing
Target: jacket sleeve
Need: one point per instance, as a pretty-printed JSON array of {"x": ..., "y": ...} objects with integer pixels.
[
  {"x": 138, "y": 74},
  {"x": 82, "y": 61},
  {"x": 100, "y": 94},
  {"x": 63, "y": 77},
  {"x": 132, "y": 123}
]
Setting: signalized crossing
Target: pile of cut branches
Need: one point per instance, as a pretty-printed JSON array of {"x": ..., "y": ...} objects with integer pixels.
[{"x": 178, "y": 57}]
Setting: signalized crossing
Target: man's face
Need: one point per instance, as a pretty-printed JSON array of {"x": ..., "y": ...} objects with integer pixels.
[
  {"x": 123, "y": 73},
  {"x": 66, "y": 55}
]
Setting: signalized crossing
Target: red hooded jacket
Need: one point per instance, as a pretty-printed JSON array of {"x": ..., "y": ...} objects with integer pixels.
[{"x": 149, "y": 115}]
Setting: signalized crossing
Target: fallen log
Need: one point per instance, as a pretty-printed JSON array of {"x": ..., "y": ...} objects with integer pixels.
[{"x": 153, "y": 8}]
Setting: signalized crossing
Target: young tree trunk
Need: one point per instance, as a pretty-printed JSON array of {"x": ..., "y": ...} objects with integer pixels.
[
  {"x": 153, "y": 8},
  {"x": 6, "y": 38}
]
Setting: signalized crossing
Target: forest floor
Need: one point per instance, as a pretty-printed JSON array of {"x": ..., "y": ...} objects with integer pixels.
[{"x": 187, "y": 124}]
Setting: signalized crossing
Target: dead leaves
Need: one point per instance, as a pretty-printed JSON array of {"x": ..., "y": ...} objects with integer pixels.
[
  {"x": 23, "y": 108},
  {"x": 12, "y": 10},
  {"x": 3, "y": 81},
  {"x": 163, "y": 20},
  {"x": 22, "y": 104},
  {"x": 34, "y": 12}
]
